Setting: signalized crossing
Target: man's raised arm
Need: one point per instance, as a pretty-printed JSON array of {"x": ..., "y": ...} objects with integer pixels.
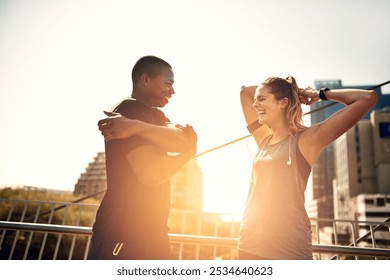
[{"x": 171, "y": 138}]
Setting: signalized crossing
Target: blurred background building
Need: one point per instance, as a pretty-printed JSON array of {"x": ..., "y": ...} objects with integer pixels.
[
  {"x": 93, "y": 180},
  {"x": 351, "y": 178}
]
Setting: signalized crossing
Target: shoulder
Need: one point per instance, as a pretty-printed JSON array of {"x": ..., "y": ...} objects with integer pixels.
[
  {"x": 312, "y": 136},
  {"x": 130, "y": 108},
  {"x": 308, "y": 144},
  {"x": 124, "y": 104}
]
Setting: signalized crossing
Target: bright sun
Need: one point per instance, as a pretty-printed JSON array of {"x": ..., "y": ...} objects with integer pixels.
[{"x": 226, "y": 176}]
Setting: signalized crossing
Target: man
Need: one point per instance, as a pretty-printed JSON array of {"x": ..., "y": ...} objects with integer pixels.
[{"x": 131, "y": 222}]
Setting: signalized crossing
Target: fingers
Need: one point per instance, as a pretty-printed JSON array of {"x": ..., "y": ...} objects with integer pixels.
[
  {"x": 103, "y": 122},
  {"x": 190, "y": 133},
  {"x": 185, "y": 128},
  {"x": 307, "y": 101},
  {"x": 310, "y": 102},
  {"x": 190, "y": 128},
  {"x": 307, "y": 96},
  {"x": 105, "y": 134},
  {"x": 179, "y": 126},
  {"x": 303, "y": 99},
  {"x": 111, "y": 114}
]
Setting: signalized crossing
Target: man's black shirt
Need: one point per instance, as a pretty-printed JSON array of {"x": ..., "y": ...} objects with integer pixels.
[{"x": 131, "y": 212}]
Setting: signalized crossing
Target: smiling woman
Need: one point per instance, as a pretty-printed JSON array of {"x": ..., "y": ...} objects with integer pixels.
[{"x": 282, "y": 166}]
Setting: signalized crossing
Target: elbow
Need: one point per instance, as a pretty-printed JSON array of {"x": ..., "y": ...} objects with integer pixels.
[
  {"x": 246, "y": 90},
  {"x": 148, "y": 184},
  {"x": 242, "y": 91}
]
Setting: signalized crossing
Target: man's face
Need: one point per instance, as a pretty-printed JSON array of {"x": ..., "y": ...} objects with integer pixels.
[{"x": 160, "y": 88}]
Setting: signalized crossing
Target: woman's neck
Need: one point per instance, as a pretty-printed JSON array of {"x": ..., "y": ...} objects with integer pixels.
[{"x": 279, "y": 133}]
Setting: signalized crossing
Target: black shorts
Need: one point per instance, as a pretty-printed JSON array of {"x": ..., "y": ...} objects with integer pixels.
[
  {"x": 242, "y": 255},
  {"x": 140, "y": 250}
]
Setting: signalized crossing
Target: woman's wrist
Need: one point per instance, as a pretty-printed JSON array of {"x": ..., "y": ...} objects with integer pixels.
[{"x": 322, "y": 93}]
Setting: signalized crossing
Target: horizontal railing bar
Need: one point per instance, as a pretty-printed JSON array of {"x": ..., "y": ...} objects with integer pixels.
[
  {"x": 48, "y": 202},
  {"x": 359, "y": 222},
  {"x": 203, "y": 240},
  {"x": 50, "y": 228},
  {"x": 194, "y": 239},
  {"x": 352, "y": 251}
]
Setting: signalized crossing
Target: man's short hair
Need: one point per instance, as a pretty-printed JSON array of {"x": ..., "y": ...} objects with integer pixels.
[{"x": 150, "y": 65}]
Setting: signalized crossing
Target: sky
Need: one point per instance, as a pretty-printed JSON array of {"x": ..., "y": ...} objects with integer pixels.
[{"x": 63, "y": 62}]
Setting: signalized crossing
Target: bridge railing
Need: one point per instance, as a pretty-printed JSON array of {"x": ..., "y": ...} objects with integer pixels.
[{"x": 58, "y": 230}]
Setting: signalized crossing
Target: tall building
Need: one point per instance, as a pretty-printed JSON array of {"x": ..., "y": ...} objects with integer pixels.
[
  {"x": 186, "y": 191},
  {"x": 361, "y": 186},
  {"x": 94, "y": 179},
  {"x": 380, "y": 121},
  {"x": 323, "y": 171}
]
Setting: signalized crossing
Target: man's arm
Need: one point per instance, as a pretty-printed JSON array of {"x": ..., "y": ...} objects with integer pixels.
[
  {"x": 153, "y": 168},
  {"x": 169, "y": 138}
]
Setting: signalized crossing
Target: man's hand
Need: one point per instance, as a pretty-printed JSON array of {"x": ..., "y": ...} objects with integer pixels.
[
  {"x": 191, "y": 136},
  {"x": 117, "y": 127}
]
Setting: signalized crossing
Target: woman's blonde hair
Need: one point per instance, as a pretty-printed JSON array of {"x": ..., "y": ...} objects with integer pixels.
[{"x": 288, "y": 88}]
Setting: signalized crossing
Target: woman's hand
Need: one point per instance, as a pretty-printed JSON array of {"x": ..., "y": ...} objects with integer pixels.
[
  {"x": 117, "y": 127},
  {"x": 308, "y": 96}
]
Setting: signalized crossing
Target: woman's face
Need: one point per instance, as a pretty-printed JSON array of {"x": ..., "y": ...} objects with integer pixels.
[{"x": 267, "y": 107}]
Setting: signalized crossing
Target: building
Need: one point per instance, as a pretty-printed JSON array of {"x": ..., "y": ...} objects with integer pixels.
[
  {"x": 94, "y": 179},
  {"x": 380, "y": 121},
  {"x": 323, "y": 171},
  {"x": 361, "y": 185}
]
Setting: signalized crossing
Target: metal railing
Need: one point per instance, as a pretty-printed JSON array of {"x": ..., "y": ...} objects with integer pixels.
[
  {"x": 40, "y": 230},
  {"x": 183, "y": 239}
]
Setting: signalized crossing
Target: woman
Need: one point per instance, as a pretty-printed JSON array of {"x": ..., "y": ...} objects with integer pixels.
[{"x": 275, "y": 224}]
